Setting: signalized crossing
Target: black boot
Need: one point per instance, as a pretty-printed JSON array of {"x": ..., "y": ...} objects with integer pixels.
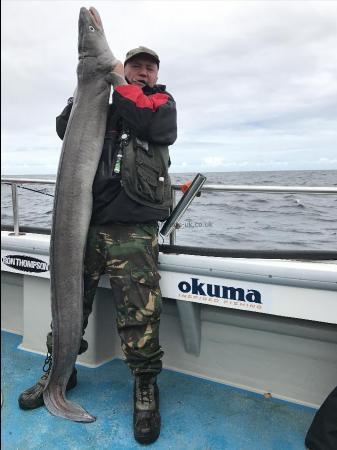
[
  {"x": 146, "y": 416},
  {"x": 32, "y": 397}
]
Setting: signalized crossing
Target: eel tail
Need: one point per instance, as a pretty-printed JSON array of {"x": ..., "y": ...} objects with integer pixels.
[{"x": 58, "y": 405}]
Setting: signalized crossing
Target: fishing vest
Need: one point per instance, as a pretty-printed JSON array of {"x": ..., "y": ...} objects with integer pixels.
[
  {"x": 144, "y": 173},
  {"x": 144, "y": 165}
]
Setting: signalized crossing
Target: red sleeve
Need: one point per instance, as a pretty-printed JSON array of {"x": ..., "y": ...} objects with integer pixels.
[
  {"x": 150, "y": 117},
  {"x": 136, "y": 95}
]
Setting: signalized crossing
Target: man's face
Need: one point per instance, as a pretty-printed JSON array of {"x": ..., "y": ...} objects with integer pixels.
[{"x": 141, "y": 70}]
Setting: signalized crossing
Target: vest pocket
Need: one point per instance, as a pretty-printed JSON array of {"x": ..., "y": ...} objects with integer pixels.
[{"x": 150, "y": 176}]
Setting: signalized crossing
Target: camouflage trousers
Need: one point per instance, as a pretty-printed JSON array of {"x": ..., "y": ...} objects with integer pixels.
[{"x": 128, "y": 254}]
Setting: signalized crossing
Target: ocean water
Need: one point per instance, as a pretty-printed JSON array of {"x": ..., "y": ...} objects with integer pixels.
[{"x": 232, "y": 220}]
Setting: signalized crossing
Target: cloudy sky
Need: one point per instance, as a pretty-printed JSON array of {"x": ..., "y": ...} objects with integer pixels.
[{"x": 255, "y": 82}]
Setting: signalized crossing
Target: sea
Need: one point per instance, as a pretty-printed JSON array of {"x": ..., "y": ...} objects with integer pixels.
[{"x": 229, "y": 220}]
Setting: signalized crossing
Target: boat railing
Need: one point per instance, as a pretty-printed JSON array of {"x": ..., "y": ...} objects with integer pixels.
[{"x": 16, "y": 182}]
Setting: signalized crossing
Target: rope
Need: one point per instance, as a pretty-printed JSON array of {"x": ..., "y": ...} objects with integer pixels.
[{"x": 33, "y": 190}]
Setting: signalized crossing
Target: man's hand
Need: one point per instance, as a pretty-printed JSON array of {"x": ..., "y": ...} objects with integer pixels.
[
  {"x": 119, "y": 69},
  {"x": 116, "y": 77}
]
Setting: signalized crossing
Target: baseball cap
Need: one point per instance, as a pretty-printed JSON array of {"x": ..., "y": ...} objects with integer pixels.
[{"x": 140, "y": 50}]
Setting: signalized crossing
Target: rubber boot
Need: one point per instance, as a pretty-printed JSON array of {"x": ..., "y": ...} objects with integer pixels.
[
  {"x": 146, "y": 416},
  {"x": 32, "y": 397}
]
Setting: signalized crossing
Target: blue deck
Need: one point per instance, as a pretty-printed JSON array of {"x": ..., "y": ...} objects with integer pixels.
[{"x": 196, "y": 413}]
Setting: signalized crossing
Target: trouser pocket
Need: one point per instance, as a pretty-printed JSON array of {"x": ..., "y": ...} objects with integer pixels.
[{"x": 147, "y": 294}]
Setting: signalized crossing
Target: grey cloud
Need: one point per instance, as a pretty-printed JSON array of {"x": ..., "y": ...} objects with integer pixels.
[{"x": 249, "y": 78}]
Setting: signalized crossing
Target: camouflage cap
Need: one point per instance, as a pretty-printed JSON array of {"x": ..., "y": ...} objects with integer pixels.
[{"x": 139, "y": 50}]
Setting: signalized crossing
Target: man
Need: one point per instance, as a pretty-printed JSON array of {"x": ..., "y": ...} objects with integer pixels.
[
  {"x": 131, "y": 193},
  {"x": 322, "y": 433}
]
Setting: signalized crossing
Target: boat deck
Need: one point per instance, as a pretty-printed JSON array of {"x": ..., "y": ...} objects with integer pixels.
[{"x": 196, "y": 413}]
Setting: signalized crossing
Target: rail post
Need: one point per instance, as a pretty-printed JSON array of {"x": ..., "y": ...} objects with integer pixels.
[{"x": 15, "y": 209}]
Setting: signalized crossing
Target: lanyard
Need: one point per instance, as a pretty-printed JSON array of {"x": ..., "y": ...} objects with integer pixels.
[{"x": 123, "y": 142}]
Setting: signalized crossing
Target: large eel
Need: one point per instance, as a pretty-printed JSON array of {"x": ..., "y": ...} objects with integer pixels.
[{"x": 81, "y": 151}]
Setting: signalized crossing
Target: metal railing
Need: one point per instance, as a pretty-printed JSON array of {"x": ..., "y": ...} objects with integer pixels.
[{"x": 15, "y": 182}]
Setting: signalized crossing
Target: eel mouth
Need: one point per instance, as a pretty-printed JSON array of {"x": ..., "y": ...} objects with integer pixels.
[{"x": 93, "y": 13}]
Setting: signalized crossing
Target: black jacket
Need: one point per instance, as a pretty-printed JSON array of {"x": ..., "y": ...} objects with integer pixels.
[{"x": 148, "y": 117}]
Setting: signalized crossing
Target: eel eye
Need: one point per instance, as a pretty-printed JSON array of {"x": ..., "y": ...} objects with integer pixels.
[{"x": 91, "y": 28}]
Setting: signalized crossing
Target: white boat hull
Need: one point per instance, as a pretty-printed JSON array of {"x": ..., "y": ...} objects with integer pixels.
[{"x": 270, "y": 328}]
